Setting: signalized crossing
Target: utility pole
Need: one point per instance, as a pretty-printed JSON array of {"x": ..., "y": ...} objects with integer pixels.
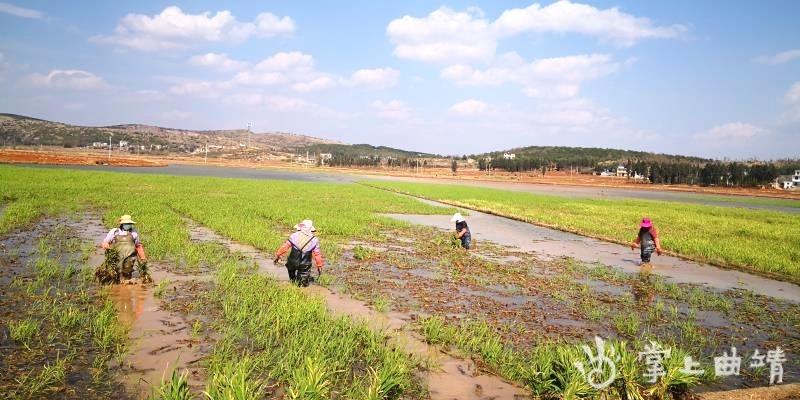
[
  {"x": 109, "y": 146},
  {"x": 206, "y": 160},
  {"x": 248, "y": 134}
]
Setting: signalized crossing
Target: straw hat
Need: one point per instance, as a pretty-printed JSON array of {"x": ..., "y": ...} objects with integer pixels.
[
  {"x": 306, "y": 224},
  {"x": 457, "y": 218},
  {"x": 126, "y": 219}
]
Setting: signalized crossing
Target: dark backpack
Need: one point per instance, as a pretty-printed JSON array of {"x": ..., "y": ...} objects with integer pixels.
[{"x": 298, "y": 256}]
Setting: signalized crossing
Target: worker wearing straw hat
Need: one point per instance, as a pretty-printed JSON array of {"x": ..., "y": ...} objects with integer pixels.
[
  {"x": 126, "y": 242},
  {"x": 462, "y": 230},
  {"x": 303, "y": 246}
]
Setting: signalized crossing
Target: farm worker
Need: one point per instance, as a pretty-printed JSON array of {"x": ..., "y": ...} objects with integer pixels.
[
  {"x": 647, "y": 240},
  {"x": 303, "y": 246},
  {"x": 462, "y": 230},
  {"x": 125, "y": 240}
]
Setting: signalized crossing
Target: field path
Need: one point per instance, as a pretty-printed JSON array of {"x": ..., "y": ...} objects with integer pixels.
[
  {"x": 551, "y": 243},
  {"x": 455, "y": 378}
]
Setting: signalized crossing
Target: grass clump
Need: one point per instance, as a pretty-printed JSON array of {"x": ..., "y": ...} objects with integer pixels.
[{"x": 293, "y": 339}]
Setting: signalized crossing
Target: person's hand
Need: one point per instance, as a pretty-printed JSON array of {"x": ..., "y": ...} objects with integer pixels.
[
  {"x": 633, "y": 247},
  {"x": 658, "y": 251},
  {"x": 319, "y": 270},
  {"x": 104, "y": 246},
  {"x": 276, "y": 260}
]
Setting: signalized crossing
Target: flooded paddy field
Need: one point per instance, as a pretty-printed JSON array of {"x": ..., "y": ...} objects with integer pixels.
[{"x": 398, "y": 312}]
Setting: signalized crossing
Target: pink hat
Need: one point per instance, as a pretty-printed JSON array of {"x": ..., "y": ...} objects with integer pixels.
[{"x": 646, "y": 223}]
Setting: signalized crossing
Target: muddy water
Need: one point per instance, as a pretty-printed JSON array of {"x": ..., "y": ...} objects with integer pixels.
[
  {"x": 453, "y": 379},
  {"x": 160, "y": 340},
  {"x": 551, "y": 243}
]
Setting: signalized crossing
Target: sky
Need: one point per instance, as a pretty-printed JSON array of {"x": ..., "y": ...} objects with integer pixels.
[{"x": 693, "y": 77}]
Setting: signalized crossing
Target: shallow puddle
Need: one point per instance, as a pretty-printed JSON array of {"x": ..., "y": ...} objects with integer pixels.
[
  {"x": 454, "y": 379},
  {"x": 550, "y": 243},
  {"x": 159, "y": 340}
]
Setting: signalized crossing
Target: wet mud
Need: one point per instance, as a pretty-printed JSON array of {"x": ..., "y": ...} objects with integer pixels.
[
  {"x": 453, "y": 378},
  {"x": 551, "y": 244},
  {"x": 531, "y": 300},
  {"x": 160, "y": 339}
]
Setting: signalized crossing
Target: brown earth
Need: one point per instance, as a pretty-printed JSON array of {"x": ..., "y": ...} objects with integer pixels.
[{"x": 34, "y": 157}]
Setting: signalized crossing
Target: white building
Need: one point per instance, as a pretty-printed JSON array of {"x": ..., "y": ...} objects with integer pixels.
[
  {"x": 509, "y": 156},
  {"x": 325, "y": 156},
  {"x": 788, "y": 182},
  {"x": 622, "y": 171}
]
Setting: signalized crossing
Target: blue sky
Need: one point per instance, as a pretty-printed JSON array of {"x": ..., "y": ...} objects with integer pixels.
[{"x": 689, "y": 77}]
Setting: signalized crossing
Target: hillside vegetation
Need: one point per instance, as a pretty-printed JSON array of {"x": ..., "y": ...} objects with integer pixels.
[{"x": 17, "y": 130}]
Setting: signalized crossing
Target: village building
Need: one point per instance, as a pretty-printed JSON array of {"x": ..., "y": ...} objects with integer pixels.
[
  {"x": 788, "y": 182},
  {"x": 509, "y": 156},
  {"x": 622, "y": 171}
]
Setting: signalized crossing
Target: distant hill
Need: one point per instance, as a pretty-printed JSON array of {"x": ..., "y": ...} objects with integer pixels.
[
  {"x": 588, "y": 156},
  {"x": 357, "y": 150},
  {"x": 28, "y": 131}
]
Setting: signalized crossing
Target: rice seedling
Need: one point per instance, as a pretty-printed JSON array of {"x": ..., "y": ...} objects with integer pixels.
[
  {"x": 176, "y": 387},
  {"x": 703, "y": 232},
  {"x": 381, "y": 304},
  {"x": 24, "y": 331},
  {"x": 34, "y": 385},
  {"x": 161, "y": 287},
  {"x": 235, "y": 380},
  {"x": 627, "y": 324}
]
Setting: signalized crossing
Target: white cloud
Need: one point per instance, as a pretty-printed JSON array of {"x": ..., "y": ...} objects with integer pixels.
[
  {"x": 20, "y": 11},
  {"x": 322, "y": 82},
  {"x": 732, "y": 131},
  {"x": 204, "y": 89},
  {"x": 450, "y": 36},
  {"x": 280, "y": 68},
  {"x": 779, "y": 58},
  {"x": 287, "y": 61},
  {"x": 268, "y": 24},
  {"x": 271, "y": 103},
  {"x": 793, "y": 95},
  {"x": 610, "y": 24},
  {"x": 394, "y": 109},
  {"x": 547, "y": 77},
  {"x": 443, "y": 36},
  {"x": 68, "y": 79},
  {"x": 378, "y": 78},
  {"x": 217, "y": 61},
  {"x": 174, "y": 29},
  {"x": 469, "y": 107},
  {"x": 175, "y": 115}
]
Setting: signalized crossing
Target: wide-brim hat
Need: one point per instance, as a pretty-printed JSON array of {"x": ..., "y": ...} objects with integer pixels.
[
  {"x": 456, "y": 218},
  {"x": 126, "y": 219},
  {"x": 646, "y": 223},
  {"x": 306, "y": 224}
]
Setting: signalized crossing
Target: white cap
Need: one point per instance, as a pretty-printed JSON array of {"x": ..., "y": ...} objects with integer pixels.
[{"x": 457, "y": 218}]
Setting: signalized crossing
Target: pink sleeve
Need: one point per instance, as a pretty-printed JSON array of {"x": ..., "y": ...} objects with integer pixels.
[{"x": 109, "y": 236}]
